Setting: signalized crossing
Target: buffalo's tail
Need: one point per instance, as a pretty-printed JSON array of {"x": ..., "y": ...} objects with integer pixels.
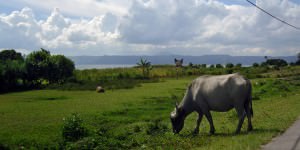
[
  {"x": 248, "y": 102},
  {"x": 249, "y": 97}
]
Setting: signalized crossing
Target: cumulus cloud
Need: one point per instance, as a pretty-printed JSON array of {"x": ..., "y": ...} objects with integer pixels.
[
  {"x": 189, "y": 27},
  {"x": 214, "y": 26},
  {"x": 23, "y": 31}
]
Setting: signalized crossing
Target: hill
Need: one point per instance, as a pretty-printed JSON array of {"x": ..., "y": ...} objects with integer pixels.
[{"x": 169, "y": 59}]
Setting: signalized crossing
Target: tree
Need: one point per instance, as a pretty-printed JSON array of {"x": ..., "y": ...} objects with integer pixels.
[
  {"x": 239, "y": 65},
  {"x": 203, "y": 65},
  {"x": 255, "y": 65},
  {"x": 146, "y": 67},
  {"x": 12, "y": 70},
  {"x": 219, "y": 66},
  {"x": 10, "y": 55},
  {"x": 276, "y": 62},
  {"x": 191, "y": 65},
  {"x": 229, "y": 65},
  {"x": 61, "y": 68},
  {"x": 38, "y": 66}
]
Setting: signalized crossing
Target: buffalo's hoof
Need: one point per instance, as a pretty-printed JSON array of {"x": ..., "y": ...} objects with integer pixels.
[
  {"x": 237, "y": 132},
  {"x": 196, "y": 131},
  {"x": 250, "y": 128}
]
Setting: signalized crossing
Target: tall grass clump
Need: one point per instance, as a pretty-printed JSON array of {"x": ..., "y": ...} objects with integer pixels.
[{"x": 73, "y": 128}]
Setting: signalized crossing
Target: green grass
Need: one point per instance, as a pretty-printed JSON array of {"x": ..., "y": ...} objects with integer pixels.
[{"x": 139, "y": 118}]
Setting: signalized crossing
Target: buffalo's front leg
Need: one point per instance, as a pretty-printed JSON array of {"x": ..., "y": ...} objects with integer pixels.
[
  {"x": 209, "y": 118},
  {"x": 196, "y": 130}
]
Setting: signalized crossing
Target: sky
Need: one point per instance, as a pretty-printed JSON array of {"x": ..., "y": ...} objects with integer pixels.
[{"x": 150, "y": 27}]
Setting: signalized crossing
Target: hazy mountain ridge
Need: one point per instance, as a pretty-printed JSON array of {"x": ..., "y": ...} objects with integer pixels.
[{"x": 205, "y": 59}]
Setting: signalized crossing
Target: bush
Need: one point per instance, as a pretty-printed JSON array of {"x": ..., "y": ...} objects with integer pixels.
[
  {"x": 229, "y": 71},
  {"x": 73, "y": 128}
]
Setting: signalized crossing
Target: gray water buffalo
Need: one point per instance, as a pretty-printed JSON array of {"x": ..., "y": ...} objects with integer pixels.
[{"x": 215, "y": 93}]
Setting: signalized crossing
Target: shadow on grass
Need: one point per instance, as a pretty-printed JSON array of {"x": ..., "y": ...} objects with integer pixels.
[
  {"x": 51, "y": 98},
  {"x": 220, "y": 134}
]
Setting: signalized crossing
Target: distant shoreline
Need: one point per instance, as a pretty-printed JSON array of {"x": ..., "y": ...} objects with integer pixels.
[
  {"x": 125, "y": 61},
  {"x": 102, "y": 66}
]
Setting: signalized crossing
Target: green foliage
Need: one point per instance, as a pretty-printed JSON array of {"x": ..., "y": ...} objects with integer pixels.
[
  {"x": 156, "y": 126},
  {"x": 12, "y": 70},
  {"x": 42, "y": 66},
  {"x": 239, "y": 65},
  {"x": 10, "y": 55},
  {"x": 229, "y": 65},
  {"x": 73, "y": 128},
  {"x": 38, "y": 66},
  {"x": 61, "y": 68},
  {"x": 219, "y": 66},
  {"x": 276, "y": 62},
  {"x": 255, "y": 65},
  {"x": 146, "y": 67}
]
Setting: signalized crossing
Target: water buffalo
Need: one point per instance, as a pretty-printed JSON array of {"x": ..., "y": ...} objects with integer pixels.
[{"x": 215, "y": 93}]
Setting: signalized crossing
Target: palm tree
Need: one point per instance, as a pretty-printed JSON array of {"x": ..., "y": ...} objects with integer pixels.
[{"x": 146, "y": 67}]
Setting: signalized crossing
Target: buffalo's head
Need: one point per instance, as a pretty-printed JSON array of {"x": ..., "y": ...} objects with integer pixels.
[{"x": 177, "y": 119}]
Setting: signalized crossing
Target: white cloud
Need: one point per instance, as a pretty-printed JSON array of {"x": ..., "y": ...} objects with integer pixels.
[{"x": 189, "y": 27}]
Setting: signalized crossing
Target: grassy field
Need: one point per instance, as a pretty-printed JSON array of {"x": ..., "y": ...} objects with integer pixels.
[{"x": 138, "y": 118}]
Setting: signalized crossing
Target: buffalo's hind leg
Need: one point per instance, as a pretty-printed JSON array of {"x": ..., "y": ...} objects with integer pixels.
[
  {"x": 248, "y": 113},
  {"x": 196, "y": 130},
  {"x": 241, "y": 115}
]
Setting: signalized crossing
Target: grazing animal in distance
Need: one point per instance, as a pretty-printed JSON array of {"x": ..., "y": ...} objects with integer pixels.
[
  {"x": 215, "y": 93},
  {"x": 100, "y": 89}
]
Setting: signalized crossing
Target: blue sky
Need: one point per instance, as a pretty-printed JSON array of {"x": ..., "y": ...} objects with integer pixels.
[{"x": 150, "y": 27}]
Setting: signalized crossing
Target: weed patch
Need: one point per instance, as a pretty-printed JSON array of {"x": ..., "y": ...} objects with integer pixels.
[{"x": 73, "y": 128}]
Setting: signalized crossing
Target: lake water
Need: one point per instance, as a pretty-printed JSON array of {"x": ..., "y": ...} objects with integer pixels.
[{"x": 103, "y": 66}]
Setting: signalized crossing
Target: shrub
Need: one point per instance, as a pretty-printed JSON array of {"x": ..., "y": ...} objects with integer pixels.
[
  {"x": 73, "y": 128},
  {"x": 137, "y": 129},
  {"x": 229, "y": 71}
]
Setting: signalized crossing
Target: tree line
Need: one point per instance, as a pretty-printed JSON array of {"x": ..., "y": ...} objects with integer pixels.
[{"x": 32, "y": 71}]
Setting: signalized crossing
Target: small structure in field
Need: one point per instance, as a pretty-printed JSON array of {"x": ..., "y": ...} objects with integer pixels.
[
  {"x": 178, "y": 63},
  {"x": 100, "y": 89}
]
